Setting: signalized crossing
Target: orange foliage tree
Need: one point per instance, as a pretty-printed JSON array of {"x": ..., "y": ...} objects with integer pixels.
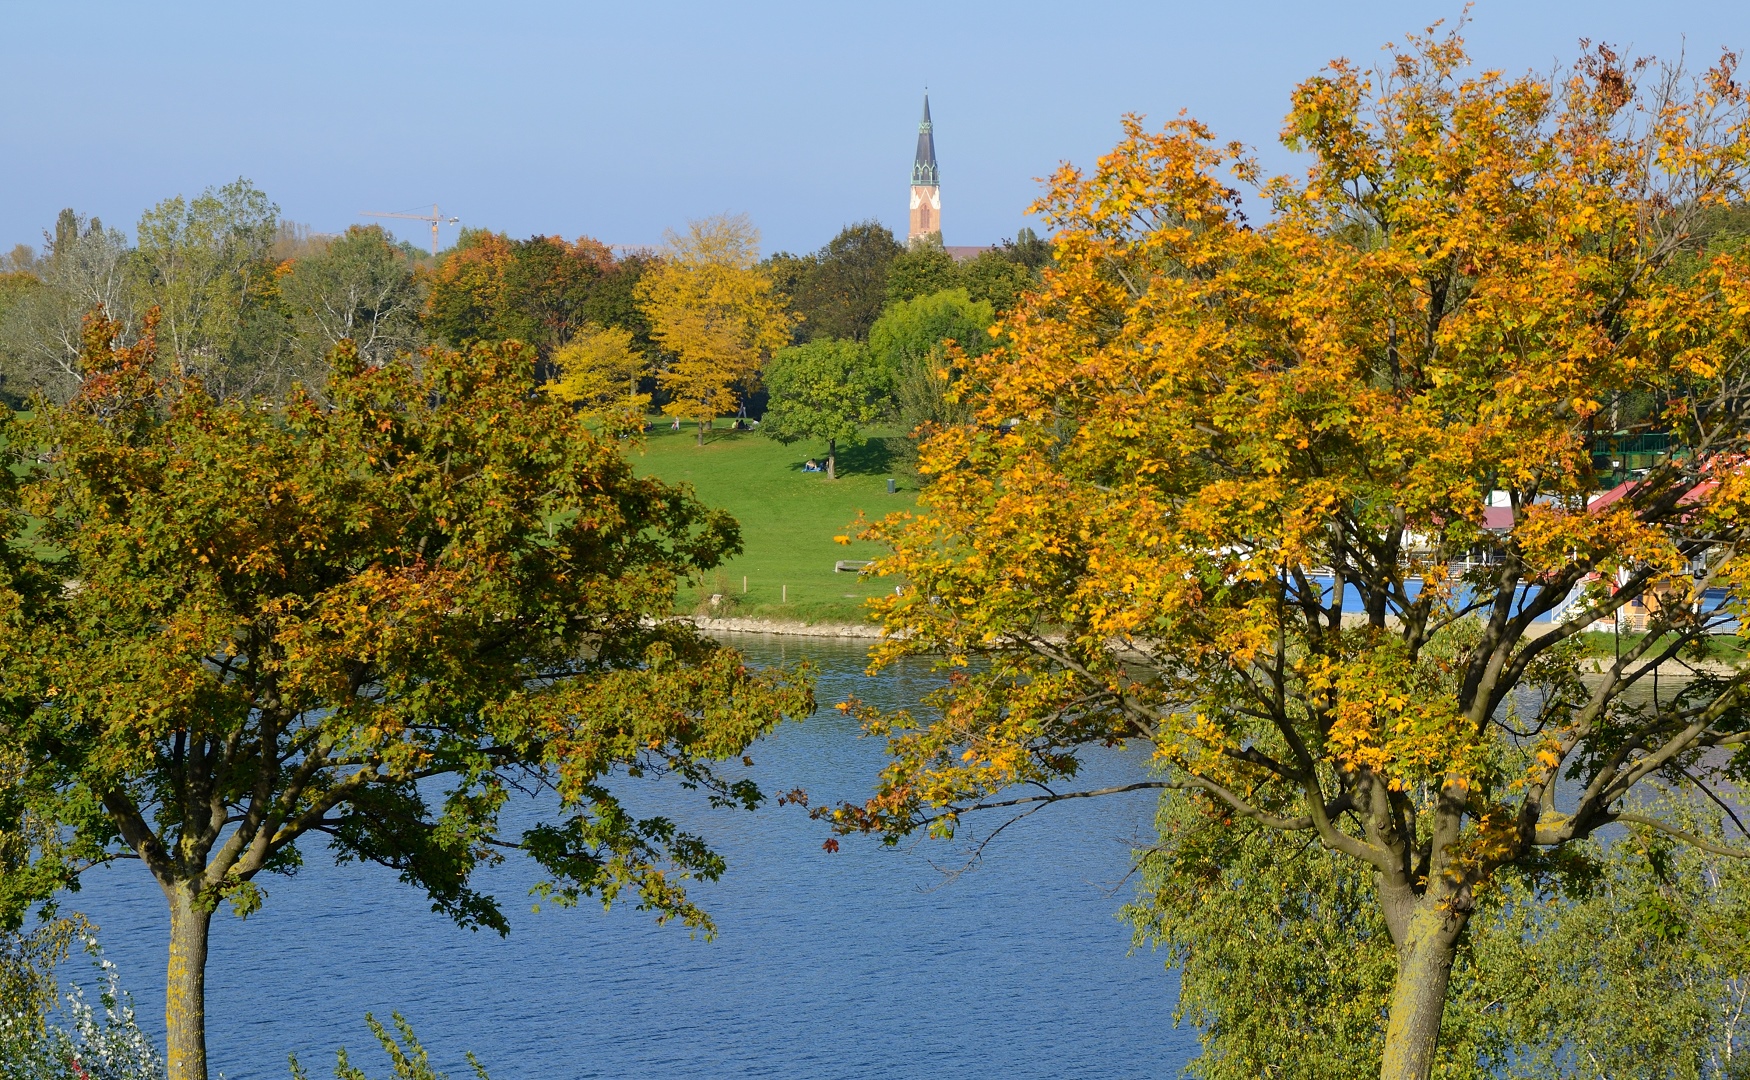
[
  {"x": 467, "y": 289},
  {"x": 540, "y": 291},
  {"x": 1227, "y": 485}
]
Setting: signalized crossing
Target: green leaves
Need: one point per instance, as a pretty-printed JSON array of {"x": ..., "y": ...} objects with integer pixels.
[
  {"x": 367, "y": 620},
  {"x": 1629, "y": 965},
  {"x": 202, "y": 262},
  {"x": 407, "y": 1055},
  {"x": 827, "y": 390}
]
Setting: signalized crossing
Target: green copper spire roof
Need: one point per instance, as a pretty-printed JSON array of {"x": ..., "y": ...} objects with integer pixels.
[{"x": 923, "y": 169}]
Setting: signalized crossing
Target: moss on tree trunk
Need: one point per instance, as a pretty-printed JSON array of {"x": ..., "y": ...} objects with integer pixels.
[
  {"x": 185, "y": 1008},
  {"x": 1425, "y": 954}
]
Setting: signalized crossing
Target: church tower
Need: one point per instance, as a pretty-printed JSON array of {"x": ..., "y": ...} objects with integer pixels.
[{"x": 926, "y": 188}]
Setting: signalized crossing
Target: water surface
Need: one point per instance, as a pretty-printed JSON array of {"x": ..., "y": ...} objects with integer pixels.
[{"x": 865, "y": 963}]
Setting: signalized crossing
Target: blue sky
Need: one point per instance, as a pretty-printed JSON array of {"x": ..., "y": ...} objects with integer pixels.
[{"x": 620, "y": 120}]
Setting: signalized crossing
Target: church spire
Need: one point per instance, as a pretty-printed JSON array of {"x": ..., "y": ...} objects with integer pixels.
[
  {"x": 923, "y": 169},
  {"x": 926, "y": 190}
]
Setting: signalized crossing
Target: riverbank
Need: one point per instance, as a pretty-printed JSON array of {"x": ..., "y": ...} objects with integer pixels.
[{"x": 759, "y": 625}]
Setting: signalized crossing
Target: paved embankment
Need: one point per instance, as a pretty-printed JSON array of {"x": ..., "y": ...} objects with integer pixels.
[{"x": 798, "y": 629}]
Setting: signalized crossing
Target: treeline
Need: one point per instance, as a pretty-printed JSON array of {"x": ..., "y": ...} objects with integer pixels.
[
  {"x": 247, "y": 302},
  {"x": 850, "y": 334}
]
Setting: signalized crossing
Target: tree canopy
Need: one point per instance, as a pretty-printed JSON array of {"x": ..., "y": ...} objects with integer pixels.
[
  {"x": 1227, "y": 489},
  {"x": 250, "y": 302},
  {"x": 1633, "y": 967},
  {"x": 237, "y": 630},
  {"x": 997, "y": 276},
  {"x": 839, "y": 291},
  {"x": 917, "y": 343},
  {"x": 203, "y": 263},
  {"x": 359, "y": 287},
  {"x": 540, "y": 291},
  {"x": 911, "y": 330},
  {"x": 715, "y": 315},
  {"x": 925, "y": 267},
  {"x": 599, "y": 371},
  {"x": 85, "y": 265},
  {"x": 827, "y": 390}
]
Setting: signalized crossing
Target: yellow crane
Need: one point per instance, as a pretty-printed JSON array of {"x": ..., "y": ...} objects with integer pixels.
[{"x": 434, "y": 217}]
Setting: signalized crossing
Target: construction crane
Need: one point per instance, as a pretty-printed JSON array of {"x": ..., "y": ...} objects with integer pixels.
[{"x": 434, "y": 217}]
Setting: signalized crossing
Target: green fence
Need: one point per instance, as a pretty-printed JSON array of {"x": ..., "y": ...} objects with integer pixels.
[{"x": 1616, "y": 458}]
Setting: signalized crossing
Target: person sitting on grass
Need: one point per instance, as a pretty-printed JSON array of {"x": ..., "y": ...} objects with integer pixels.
[{"x": 811, "y": 466}]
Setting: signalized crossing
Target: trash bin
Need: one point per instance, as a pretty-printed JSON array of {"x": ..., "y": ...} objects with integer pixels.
[{"x": 891, "y": 488}]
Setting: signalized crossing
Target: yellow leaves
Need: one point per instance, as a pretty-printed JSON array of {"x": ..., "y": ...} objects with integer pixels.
[
  {"x": 1393, "y": 716},
  {"x": 599, "y": 371},
  {"x": 1192, "y": 423},
  {"x": 714, "y": 312}
]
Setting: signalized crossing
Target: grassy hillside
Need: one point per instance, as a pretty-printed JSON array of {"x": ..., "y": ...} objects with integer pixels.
[{"x": 788, "y": 519}]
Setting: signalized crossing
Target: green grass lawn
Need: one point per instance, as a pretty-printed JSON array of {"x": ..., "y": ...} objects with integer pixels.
[
  {"x": 788, "y": 518},
  {"x": 1728, "y": 648}
]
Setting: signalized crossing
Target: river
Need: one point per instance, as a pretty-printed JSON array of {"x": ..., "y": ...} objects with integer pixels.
[{"x": 870, "y": 962}]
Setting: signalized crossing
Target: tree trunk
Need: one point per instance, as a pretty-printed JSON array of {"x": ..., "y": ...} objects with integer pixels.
[
  {"x": 1418, "y": 996},
  {"x": 185, "y": 994},
  {"x": 832, "y": 451},
  {"x": 701, "y": 433}
]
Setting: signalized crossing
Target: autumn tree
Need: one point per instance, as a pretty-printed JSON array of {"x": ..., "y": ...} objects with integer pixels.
[
  {"x": 242, "y": 631},
  {"x": 539, "y": 291},
  {"x": 548, "y": 286},
  {"x": 83, "y": 265},
  {"x": 1226, "y": 490},
  {"x": 827, "y": 390},
  {"x": 466, "y": 292},
  {"x": 599, "y": 371},
  {"x": 715, "y": 315}
]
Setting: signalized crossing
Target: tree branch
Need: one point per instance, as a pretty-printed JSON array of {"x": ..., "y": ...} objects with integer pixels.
[{"x": 1680, "y": 834}]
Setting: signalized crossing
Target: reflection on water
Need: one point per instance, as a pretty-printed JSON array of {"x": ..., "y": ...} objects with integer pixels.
[{"x": 864, "y": 963}]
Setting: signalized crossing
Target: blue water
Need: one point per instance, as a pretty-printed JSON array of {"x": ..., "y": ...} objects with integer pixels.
[{"x": 866, "y": 963}]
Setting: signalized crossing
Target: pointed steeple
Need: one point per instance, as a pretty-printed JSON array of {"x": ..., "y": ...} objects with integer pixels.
[
  {"x": 926, "y": 185},
  {"x": 923, "y": 169}
]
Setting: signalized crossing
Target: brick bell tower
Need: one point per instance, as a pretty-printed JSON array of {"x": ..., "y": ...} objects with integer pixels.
[{"x": 926, "y": 188}]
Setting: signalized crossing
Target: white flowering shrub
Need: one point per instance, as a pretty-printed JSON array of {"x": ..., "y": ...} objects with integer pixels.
[{"x": 99, "y": 1042}]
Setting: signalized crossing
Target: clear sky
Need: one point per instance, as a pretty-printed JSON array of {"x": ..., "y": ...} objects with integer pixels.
[{"x": 620, "y": 120}]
